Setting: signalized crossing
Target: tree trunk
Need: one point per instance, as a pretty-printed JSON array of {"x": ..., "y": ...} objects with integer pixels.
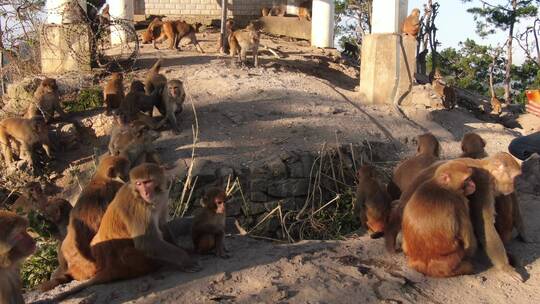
[{"x": 507, "y": 93}]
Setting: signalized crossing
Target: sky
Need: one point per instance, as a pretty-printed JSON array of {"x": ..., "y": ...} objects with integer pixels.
[{"x": 455, "y": 24}]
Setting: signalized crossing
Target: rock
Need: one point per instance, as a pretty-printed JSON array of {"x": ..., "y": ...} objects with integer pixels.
[
  {"x": 260, "y": 185},
  {"x": 289, "y": 187},
  {"x": 204, "y": 170},
  {"x": 296, "y": 169},
  {"x": 276, "y": 167},
  {"x": 270, "y": 225},
  {"x": 529, "y": 180},
  {"x": 225, "y": 172},
  {"x": 258, "y": 197},
  {"x": 20, "y": 94},
  {"x": 234, "y": 207},
  {"x": 255, "y": 208}
]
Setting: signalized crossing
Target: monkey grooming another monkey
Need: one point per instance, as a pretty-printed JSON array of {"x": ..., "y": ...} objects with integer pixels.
[
  {"x": 244, "y": 40},
  {"x": 372, "y": 202},
  {"x": 46, "y": 101},
  {"x": 208, "y": 230},
  {"x": 26, "y": 134},
  {"x": 129, "y": 242},
  {"x": 411, "y": 25},
  {"x": 113, "y": 92},
  {"x": 15, "y": 245},
  {"x": 438, "y": 237}
]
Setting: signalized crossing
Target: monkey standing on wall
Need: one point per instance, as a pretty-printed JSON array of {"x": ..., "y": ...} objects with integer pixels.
[{"x": 411, "y": 25}]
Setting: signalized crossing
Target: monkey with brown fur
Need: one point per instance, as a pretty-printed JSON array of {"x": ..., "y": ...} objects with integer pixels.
[
  {"x": 444, "y": 91},
  {"x": 46, "y": 101},
  {"x": 473, "y": 146},
  {"x": 15, "y": 245},
  {"x": 244, "y": 40},
  {"x": 84, "y": 221},
  {"x": 152, "y": 32},
  {"x": 427, "y": 153},
  {"x": 508, "y": 213},
  {"x": 174, "y": 31},
  {"x": 136, "y": 103},
  {"x": 304, "y": 10},
  {"x": 277, "y": 10},
  {"x": 113, "y": 92},
  {"x": 172, "y": 101},
  {"x": 208, "y": 230},
  {"x": 129, "y": 242},
  {"x": 372, "y": 202},
  {"x": 229, "y": 28},
  {"x": 411, "y": 25},
  {"x": 26, "y": 134},
  {"x": 438, "y": 237},
  {"x": 265, "y": 11},
  {"x": 134, "y": 142},
  {"x": 154, "y": 81},
  {"x": 493, "y": 176}
]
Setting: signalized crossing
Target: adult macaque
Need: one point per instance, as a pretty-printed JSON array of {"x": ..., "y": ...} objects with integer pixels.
[
  {"x": 277, "y": 10},
  {"x": 155, "y": 81},
  {"x": 136, "y": 101},
  {"x": 438, "y": 236},
  {"x": 73, "y": 13},
  {"x": 129, "y": 242},
  {"x": 496, "y": 104},
  {"x": 172, "y": 101},
  {"x": 229, "y": 28},
  {"x": 174, "y": 31},
  {"x": 427, "y": 153},
  {"x": 15, "y": 246},
  {"x": 46, "y": 101},
  {"x": 265, "y": 11},
  {"x": 152, "y": 32},
  {"x": 135, "y": 143},
  {"x": 208, "y": 231},
  {"x": 372, "y": 202},
  {"x": 473, "y": 146},
  {"x": 304, "y": 10},
  {"x": 244, "y": 40},
  {"x": 444, "y": 91},
  {"x": 113, "y": 92},
  {"x": 26, "y": 135},
  {"x": 76, "y": 261},
  {"x": 411, "y": 25}
]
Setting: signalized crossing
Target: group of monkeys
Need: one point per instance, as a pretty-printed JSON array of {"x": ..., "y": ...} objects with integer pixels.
[
  {"x": 117, "y": 228},
  {"x": 444, "y": 207}
]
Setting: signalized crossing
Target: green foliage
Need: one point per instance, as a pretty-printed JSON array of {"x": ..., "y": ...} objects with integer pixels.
[
  {"x": 87, "y": 99},
  {"x": 492, "y": 17},
  {"x": 39, "y": 266},
  {"x": 526, "y": 76}
]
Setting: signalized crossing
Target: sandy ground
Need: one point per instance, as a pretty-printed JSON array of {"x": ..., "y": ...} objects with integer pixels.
[{"x": 299, "y": 103}]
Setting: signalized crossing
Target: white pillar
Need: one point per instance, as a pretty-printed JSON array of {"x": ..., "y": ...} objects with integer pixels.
[
  {"x": 54, "y": 9},
  {"x": 387, "y": 16},
  {"x": 122, "y": 9},
  {"x": 322, "y": 23}
]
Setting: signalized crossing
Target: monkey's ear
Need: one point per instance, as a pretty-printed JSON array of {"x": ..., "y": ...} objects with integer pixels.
[
  {"x": 202, "y": 202},
  {"x": 111, "y": 172},
  {"x": 444, "y": 178}
]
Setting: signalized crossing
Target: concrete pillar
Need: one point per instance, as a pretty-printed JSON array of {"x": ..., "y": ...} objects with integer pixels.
[
  {"x": 322, "y": 23},
  {"x": 54, "y": 9},
  {"x": 388, "y": 61},
  {"x": 120, "y": 9}
]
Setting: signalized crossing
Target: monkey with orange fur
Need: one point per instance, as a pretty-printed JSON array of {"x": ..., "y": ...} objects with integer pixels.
[
  {"x": 77, "y": 261},
  {"x": 46, "y": 101},
  {"x": 208, "y": 230},
  {"x": 438, "y": 237},
  {"x": 129, "y": 242},
  {"x": 473, "y": 146},
  {"x": 372, "y": 202},
  {"x": 113, "y": 92},
  {"x": 411, "y": 25},
  {"x": 15, "y": 245}
]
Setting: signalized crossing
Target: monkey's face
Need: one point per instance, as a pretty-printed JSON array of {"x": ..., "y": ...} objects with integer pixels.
[
  {"x": 219, "y": 201},
  {"x": 468, "y": 186},
  {"x": 14, "y": 237},
  {"x": 146, "y": 189},
  {"x": 174, "y": 88},
  {"x": 147, "y": 37},
  {"x": 49, "y": 85}
]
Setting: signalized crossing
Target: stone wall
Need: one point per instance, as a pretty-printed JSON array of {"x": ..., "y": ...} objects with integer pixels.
[{"x": 204, "y": 9}]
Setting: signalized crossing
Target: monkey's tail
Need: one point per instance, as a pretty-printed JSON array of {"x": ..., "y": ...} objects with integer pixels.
[
  {"x": 155, "y": 68},
  {"x": 274, "y": 52}
]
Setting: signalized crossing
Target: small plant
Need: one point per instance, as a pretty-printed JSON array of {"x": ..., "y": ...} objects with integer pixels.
[
  {"x": 39, "y": 266},
  {"x": 87, "y": 99}
]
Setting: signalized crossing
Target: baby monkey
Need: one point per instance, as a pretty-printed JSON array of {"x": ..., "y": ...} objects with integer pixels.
[{"x": 208, "y": 231}]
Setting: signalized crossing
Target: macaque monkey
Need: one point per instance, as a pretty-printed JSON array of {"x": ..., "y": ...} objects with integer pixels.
[
  {"x": 134, "y": 142},
  {"x": 129, "y": 242},
  {"x": 493, "y": 176},
  {"x": 46, "y": 101},
  {"x": 113, "y": 92},
  {"x": 427, "y": 153},
  {"x": 372, "y": 202},
  {"x": 208, "y": 231},
  {"x": 137, "y": 102},
  {"x": 244, "y": 40},
  {"x": 26, "y": 134},
  {"x": 73, "y": 13},
  {"x": 15, "y": 245},
  {"x": 174, "y": 31},
  {"x": 105, "y": 17},
  {"x": 496, "y": 105},
  {"x": 229, "y": 28},
  {"x": 411, "y": 25},
  {"x": 473, "y": 146},
  {"x": 444, "y": 91},
  {"x": 155, "y": 81},
  {"x": 438, "y": 237},
  {"x": 76, "y": 260},
  {"x": 152, "y": 32},
  {"x": 304, "y": 10},
  {"x": 265, "y": 11},
  {"x": 277, "y": 10},
  {"x": 172, "y": 101},
  {"x": 31, "y": 196}
]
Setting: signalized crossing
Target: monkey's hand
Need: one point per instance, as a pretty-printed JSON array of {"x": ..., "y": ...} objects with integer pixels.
[{"x": 511, "y": 271}]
